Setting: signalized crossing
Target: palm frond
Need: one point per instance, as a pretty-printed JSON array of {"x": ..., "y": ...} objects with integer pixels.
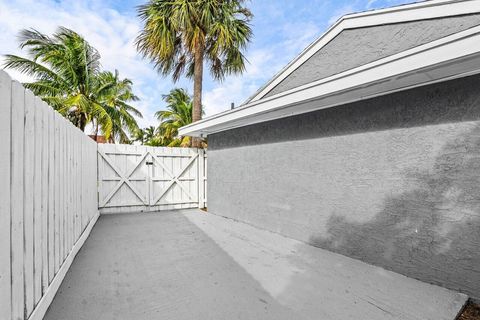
[
  {"x": 68, "y": 76},
  {"x": 172, "y": 28}
]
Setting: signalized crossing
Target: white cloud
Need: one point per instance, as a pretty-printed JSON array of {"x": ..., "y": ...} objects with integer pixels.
[
  {"x": 289, "y": 35},
  {"x": 113, "y": 33},
  {"x": 220, "y": 97},
  {"x": 262, "y": 64},
  {"x": 107, "y": 30},
  {"x": 281, "y": 36},
  {"x": 370, "y": 3},
  {"x": 297, "y": 36},
  {"x": 341, "y": 12}
]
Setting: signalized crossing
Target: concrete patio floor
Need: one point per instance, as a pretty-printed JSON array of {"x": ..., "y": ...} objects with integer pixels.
[{"x": 194, "y": 265}]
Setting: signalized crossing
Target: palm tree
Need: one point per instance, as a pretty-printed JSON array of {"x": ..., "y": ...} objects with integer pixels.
[
  {"x": 67, "y": 76},
  {"x": 178, "y": 113},
  {"x": 178, "y": 36},
  {"x": 114, "y": 94},
  {"x": 149, "y": 136},
  {"x": 65, "y": 67},
  {"x": 139, "y": 136},
  {"x": 149, "y": 133}
]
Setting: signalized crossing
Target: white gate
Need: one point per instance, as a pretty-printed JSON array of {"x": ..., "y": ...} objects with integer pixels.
[{"x": 141, "y": 178}]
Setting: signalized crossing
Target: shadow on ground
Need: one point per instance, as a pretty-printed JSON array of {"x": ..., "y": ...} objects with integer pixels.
[
  {"x": 158, "y": 266},
  {"x": 319, "y": 284}
]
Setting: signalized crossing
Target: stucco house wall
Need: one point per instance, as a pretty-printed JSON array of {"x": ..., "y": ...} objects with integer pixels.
[{"x": 393, "y": 181}]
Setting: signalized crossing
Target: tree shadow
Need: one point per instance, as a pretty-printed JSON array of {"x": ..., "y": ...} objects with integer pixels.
[
  {"x": 431, "y": 232},
  {"x": 428, "y": 228}
]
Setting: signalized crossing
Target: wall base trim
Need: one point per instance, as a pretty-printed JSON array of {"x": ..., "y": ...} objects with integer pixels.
[{"x": 42, "y": 306}]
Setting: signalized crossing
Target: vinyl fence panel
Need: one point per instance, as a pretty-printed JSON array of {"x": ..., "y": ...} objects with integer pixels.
[
  {"x": 5, "y": 203},
  {"x": 48, "y": 200}
]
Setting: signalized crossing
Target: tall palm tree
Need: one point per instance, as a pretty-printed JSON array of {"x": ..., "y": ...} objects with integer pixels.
[
  {"x": 150, "y": 136},
  {"x": 179, "y": 36},
  {"x": 114, "y": 94},
  {"x": 178, "y": 113},
  {"x": 65, "y": 67},
  {"x": 67, "y": 74},
  {"x": 139, "y": 136}
]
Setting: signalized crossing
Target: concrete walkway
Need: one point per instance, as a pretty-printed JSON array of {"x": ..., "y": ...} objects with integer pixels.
[{"x": 194, "y": 265}]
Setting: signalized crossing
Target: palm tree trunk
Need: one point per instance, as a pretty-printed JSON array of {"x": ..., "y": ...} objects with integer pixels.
[
  {"x": 197, "y": 89},
  {"x": 96, "y": 131},
  {"x": 82, "y": 121}
]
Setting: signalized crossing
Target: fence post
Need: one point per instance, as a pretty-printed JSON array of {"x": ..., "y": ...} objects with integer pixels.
[
  {"x": 16, "y": 191},
  {"x": 205, "y": 178},
  {"x": 201, "y": 175},
  {"x": 5, "y": 217}
]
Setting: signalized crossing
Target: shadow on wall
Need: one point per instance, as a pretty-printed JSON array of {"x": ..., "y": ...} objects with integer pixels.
[{"x": 431, "y": 233}]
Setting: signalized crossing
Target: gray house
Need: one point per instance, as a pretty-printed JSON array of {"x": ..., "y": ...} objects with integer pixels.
[{"x": 367, "y": 144}]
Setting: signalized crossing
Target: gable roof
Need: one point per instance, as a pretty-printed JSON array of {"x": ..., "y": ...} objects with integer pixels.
[
  {"x": 355, "y": 47},
  {"x": 416, "y": 60}
]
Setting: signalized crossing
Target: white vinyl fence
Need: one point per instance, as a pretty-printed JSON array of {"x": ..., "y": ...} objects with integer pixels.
[
  {"x": 141, "y": 178},
  {"x": 48, "y": 200}
]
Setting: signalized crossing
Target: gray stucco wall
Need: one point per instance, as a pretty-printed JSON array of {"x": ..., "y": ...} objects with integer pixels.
[
  {"x": 393, "y": 181},
  {"x": 356, "y": 47}
]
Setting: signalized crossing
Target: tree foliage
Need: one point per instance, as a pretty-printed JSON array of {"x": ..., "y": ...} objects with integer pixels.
[
  {"x": 178, "y": 36},
  {"x": 172, "y": 29},
  {"x": 177, "y": 113},
  {"x": 68, "y": 76},
  {"x": 115, "y": 97}
]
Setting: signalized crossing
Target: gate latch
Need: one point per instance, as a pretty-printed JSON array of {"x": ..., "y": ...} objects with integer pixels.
[{"x": 149, "y": 163}]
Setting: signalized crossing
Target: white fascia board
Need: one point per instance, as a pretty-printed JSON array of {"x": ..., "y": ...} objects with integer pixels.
[
  {"x": 447, "y": 58},
  {"x": 405, "y": 13}
]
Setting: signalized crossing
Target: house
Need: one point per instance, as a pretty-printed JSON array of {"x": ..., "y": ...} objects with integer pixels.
[
  {"x": 367, "y": 144},
  {"x": 98, "y": 138}
]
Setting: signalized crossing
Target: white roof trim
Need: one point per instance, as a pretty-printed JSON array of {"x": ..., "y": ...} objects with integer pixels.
[
  {"x": 451, "y": 57},
  {"x": 405, "y": 13}
]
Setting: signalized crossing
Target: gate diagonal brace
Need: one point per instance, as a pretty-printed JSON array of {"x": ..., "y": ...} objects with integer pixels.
[
  {"x": 124, "y": 179},
  {"x": 174, "y": 178}
]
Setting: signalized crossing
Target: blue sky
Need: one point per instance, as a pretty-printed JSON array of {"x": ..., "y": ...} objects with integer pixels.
[{"x": 282, "y": 28}]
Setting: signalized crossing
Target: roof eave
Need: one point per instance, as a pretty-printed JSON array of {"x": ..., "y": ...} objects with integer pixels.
[
  {"x": 451, "y": 57},
  {"x": 403, "y": 13}
]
